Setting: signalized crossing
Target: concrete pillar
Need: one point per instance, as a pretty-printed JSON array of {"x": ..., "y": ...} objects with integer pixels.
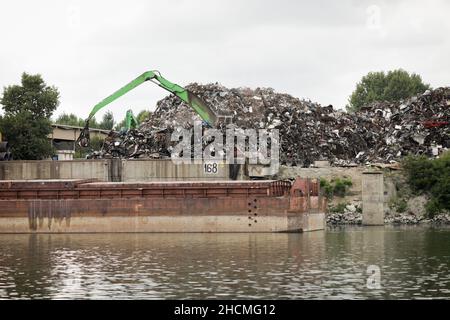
[
  {"x": 115, "y": 170},
  {"x": 373, "y": 198}
]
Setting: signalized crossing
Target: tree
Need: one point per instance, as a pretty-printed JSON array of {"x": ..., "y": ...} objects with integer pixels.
[
  {"x": 107, "y": 121},
  {"x": 26, "y": 125},
  {"x": 27, "y": 135},
  {"x": 92, "y": 123},
  {"x": 120, "y": 125},
  {"x": 33, "y": 96},
  {"x": 70, "y": 120},
  {"x": 391, "y": 87},
  {"x": 143, "y": 116},
  {"x": 432, "y": 178}
]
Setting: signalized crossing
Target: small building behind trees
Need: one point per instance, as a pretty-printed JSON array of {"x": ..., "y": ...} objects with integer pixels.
[{"x": 63, "y": 138}]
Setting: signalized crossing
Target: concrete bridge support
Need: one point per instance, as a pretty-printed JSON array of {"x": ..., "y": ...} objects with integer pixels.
[{"x": 372, "y": 198}]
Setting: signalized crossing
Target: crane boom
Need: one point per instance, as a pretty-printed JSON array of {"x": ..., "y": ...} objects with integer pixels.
[{"x": 197, "y": 104}]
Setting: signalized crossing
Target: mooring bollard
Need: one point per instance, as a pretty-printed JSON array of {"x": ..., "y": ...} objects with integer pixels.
[{"x": 373, "y": 198}]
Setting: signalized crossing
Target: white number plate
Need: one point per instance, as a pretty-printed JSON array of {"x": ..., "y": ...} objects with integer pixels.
[{"x": 211, "y": 168}]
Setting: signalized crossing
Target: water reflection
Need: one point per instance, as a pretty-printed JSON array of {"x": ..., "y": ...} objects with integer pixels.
[{"x": 414, "y": 262}]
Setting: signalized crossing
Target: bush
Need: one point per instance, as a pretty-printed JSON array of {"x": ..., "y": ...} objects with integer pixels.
[
  {"x": 336, "y": 187},
  {"x": 341, "y": 187},
  {"x": 339, "y": 208},
  {"x": 430, "y": 177},
  {"x": 433, "y": 207},
  {"x": 399, "y": 205},
  {"x": 326, "y": 188}
]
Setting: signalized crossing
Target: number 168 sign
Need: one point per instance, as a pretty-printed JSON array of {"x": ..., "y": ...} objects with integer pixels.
[{"x": 211, "y": 168}]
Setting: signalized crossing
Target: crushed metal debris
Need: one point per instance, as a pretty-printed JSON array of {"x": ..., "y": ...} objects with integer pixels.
[{"x": 378, "y": 133}]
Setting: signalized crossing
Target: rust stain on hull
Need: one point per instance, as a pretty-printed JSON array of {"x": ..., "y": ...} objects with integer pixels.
[{"x": 57, "y": 211}]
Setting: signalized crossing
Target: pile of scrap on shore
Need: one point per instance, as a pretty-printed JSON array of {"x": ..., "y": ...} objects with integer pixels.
[{"x": 381, "y": 132}]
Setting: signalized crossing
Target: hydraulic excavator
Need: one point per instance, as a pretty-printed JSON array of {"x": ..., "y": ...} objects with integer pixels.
[
  {"x": 197, "y": 104},
  {"x": 130, "y": 120}
]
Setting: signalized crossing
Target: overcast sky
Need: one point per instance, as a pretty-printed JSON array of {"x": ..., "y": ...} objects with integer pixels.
[{"x": 317, "y": 50}]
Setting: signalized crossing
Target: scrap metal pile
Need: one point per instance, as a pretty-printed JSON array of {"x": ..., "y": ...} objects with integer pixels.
[{"x": 378, "y": 133}]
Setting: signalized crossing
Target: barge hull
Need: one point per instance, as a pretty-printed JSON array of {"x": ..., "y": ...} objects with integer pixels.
[
  {"x": 102, "y": 207},
  {"x": 158, "y": 224}
]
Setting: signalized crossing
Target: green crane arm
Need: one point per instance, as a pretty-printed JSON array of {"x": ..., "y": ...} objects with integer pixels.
[
  {"x": 192, "y": 100},
  {"x": 200, "y": 107}
]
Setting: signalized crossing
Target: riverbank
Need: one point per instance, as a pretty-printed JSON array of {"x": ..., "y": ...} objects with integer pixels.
[
  {"x": 355, "y": 218},
  {"x": 407, "y": 210}
]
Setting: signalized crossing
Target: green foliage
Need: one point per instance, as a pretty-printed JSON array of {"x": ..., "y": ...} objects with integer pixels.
[
  {"x": 92, "y": 123},
  {"x": 27, "y": 135},
  {"x": 143, "y": 116},
  {"x": 336, "y": 187},
  {"x": 433, "y": 207},
  {"x": 326, "y": 188},
  {"x": 341, "y": 187},
  {"x": 70, "y": 120},
  {"x": 421, "y": 173},
  {"x": 432, "y": 178},
  {"x": 25, "y": 124},
  {"x": 33, "y": 95},
  {"x": 96, "y": 144},
  {"x": 107, "y": 121},
  {"x": 121, "y": 125},
  {"x": 339, "y": 208},
  {"x": 380, "y": 86},
  {"x": 400, "y": 205}
]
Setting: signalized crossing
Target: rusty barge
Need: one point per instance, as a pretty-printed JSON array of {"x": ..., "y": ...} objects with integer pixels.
[{"x": 88, "y": 206}]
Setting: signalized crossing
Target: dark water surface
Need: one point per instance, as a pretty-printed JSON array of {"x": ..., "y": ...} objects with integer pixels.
[{"x": 413, "y": 262}]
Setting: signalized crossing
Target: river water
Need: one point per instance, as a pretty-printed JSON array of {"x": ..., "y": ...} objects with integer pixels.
[{"x": 348, "y": 263}]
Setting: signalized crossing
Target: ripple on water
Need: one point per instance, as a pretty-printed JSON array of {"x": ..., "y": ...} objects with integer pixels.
[{"x": 328, "y": 265}]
